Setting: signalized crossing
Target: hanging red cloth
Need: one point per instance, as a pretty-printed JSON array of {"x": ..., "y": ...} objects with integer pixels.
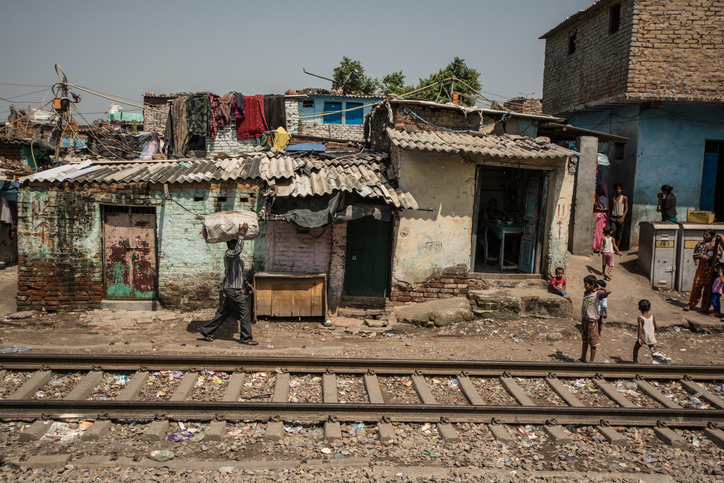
[{"x": 253, "y": 125}]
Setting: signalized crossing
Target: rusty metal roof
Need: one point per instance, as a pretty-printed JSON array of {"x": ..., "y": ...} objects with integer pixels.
[
  {"x": 367, "y": 174},
  {"x": 502, "y": 146}
]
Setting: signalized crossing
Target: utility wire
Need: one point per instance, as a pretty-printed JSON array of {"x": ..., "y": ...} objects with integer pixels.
[{"x": 23, "y": 85}]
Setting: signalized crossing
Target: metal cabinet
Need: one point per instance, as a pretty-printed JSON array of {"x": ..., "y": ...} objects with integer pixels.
[
  {"x": 689, "y": 235},
  {"x": 657, "y": 252}
]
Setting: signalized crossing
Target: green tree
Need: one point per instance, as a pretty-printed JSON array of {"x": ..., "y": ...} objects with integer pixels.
[
  {"x": 351, "y": 75},
  {"x": 461, "y": 71},
  {"x": 394, "y": 84}
]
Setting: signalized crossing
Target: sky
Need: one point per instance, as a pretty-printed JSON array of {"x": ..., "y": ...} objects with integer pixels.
[{"x": 129, "y": 48}]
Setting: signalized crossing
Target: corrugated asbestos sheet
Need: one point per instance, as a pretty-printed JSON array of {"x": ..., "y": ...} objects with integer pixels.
[
  {"x": 367, "y": 174},
  {"x": 503, "y": 146}
]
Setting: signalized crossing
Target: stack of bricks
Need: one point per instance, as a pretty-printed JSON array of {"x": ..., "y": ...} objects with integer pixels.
[
  {"x": 292, "y": 108},
  {"x": 521, "y": 104},
  {"x": 439, "y": 116},
  {"x": 448, "y": 286}
]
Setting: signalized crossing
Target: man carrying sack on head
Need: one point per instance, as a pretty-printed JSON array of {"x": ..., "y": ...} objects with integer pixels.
[{"x": 235, "y": 287}]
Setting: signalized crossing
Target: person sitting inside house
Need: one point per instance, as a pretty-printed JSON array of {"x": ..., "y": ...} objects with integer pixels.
[{"x": 491, "y": 213}]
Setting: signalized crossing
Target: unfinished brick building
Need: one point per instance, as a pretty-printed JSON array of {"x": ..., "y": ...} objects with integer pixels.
[{"x": 649, "y": 70}]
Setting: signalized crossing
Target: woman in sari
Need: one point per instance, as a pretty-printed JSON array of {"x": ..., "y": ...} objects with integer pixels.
[{"x": 600, "y": 210}]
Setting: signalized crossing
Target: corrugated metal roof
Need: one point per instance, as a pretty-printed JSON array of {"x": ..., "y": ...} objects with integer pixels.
[
  {"x": 366, "y": 174},
  {"x": 502, "y": 146}
]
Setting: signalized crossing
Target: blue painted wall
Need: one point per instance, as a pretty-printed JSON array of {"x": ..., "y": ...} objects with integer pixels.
[
  {"x": 319, "y": 101},
  {"x": 666, "y": 147}
]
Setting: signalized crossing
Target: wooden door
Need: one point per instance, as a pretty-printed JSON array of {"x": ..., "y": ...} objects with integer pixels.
[
  {"x": 130, "y": 253},
  {"x": 529, "y": 238},
  {"x": 367, "y": 264}
]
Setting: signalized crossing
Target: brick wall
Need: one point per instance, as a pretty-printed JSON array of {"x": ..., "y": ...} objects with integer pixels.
[
  {"x": 338, "y": 131},
  {"x": 677, "y": 51},
  {"x": 292, "y": 107},
  {"x": 669, "y": 50},
  {"x": 226, "y": 142},
  {"x": 447, "y": 286},
  {"x": 596, "y": 71},
  {"x": 60, "y": 243}
]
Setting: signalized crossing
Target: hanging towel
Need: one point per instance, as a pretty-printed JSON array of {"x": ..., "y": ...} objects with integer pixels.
[
  {"x": 239, "y": 105},
  {"x": 219, "y": 114},
  {"x": 180, "y": 125},
  {"x": 275, "y": 111},
  {"x": 198, "y": 108},
  {"x": 6, "y": 215},
  {"x": 254, "y": 124},
  {"x": 281, "y": 138}
]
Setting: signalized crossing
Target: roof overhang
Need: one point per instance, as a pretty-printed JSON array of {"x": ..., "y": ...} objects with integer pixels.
[{"x": 566, "y": 132}]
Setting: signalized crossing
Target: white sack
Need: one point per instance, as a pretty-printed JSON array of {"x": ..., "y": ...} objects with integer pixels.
[{"x": 224, "y": 226}]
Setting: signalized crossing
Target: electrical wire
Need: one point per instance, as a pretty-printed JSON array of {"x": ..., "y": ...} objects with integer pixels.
[
  {"x": 23, "y": 95},
  {"x": 22, "y": 85}
]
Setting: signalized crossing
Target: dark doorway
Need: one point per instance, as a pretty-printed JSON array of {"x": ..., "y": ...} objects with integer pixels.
[
  {"x": 713, "y": 176},
  {"x": 367, "y": 264}
]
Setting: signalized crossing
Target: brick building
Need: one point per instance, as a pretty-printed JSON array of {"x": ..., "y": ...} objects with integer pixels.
[
  {"x": 332, "y": 115},
  {"x": 651, "y": 71}
]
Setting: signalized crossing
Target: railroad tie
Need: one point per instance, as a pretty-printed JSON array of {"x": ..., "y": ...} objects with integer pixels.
[
  {"x": 274, "y": 431},
  {"x": 613, "y": 394},
  {"x": 372, "y": 385},
  {"x": 423, "y": 390},
  {"x": 134, "y": 387},
  {"x": 716, "y": 436},
  {"x": 36, "y": 431},
  {"x": 329, "y": 388},
  {"x": 468, "y": 389},
  {"x": 564, "y": 393},
  {"x": 281, "y": 388},
  {"x": 96, "y": 431},
  {"x": 215, "y": 431},
  {"x": 186, "y": 387},
  {"x": 386, "y": 432},
  {"x": 31, "y": 386},
  {"x": 694, "y": 388},
  {"x": 516, "y": 391},
  {"x": 85, "y": 386},
  {"x": 3, "y": 373},
  {"x": 448, "y": 433},
  {"x": 500, "y": 433},
  {"x": 233, "y": 389},
  {"x": 557, "y": 434},
  {"x": 612, "y": 436},
  {"x": 656, "y": 395},
  {"x": 670, "y": 437},
  {"x": 332, "y": 431},
  {"x": 156, "y": 431}
]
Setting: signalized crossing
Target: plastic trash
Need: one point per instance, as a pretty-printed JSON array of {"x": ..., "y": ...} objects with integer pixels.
[
  {"x": 182, "y": 436},
  {"x": 294, "y": 383},
  {"x": 676, "y": 329},
  {"x": 120, "y": 380},
  {"x": 328, "y": 323},
  {"x": 161, "y": 455},
  {"x": 326, "y": 451},
  {"x": 454, "y": 383},
  {"x": 648, "y": 459}
]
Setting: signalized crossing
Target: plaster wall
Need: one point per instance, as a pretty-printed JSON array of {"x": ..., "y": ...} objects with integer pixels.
[
  {"x": 431, "y": 243},
  {"x": 582, "y": 220},
  {"x": 561, "y": 181}
]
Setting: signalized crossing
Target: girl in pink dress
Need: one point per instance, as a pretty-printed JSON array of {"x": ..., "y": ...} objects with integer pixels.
[{"x": 600, "y": 210}]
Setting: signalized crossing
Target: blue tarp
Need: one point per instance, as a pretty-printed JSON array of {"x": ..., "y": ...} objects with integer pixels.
[{"x": 320, "y": 148}]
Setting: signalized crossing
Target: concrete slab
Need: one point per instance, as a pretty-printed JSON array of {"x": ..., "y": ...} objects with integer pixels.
[
  {"x": 36, "y": 431},
  {"x": 96, "y": 431},
  {"x": 558, "y": 435},
  {"x": 670, "y": 437},
  {"x": 332, "y": 431},
  {"x": 387, "y": 432},
  {"x": 438, "y": 312},
  {"x": 156, "y": 431},
  {"x": 501, "y": 433},
  {"x": 612, "y": 436},
  {"x": 274, "y": 431},
  {"x": 448, "y": 433},
  {"x": 215, "y": 431},
  {"x": 131, "y": 305}
]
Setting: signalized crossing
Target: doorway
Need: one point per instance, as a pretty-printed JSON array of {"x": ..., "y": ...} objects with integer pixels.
[
  {"x": 509, "y": 209},
  {"x": 367, "y": 261},
  {"x": 129, "y": 236},
  {"x": 712, "y": 176}
]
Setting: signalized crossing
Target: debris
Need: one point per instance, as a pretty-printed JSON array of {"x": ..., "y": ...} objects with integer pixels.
[
  {"x": 326, "y": 451},
  {"x": 14, "y": 348},
  {"x": 161, "y": 455}
]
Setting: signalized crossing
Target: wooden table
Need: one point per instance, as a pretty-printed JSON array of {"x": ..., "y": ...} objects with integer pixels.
[
  {"x": 290, "y": 294},
  {"x": 500, "y": 230}
]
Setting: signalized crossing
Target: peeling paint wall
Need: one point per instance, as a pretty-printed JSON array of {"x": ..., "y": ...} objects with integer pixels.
[
  {"x": 430, "y": 243},
  {"x": 558, "y": 217},
  {"x": 60, "y": 244}
]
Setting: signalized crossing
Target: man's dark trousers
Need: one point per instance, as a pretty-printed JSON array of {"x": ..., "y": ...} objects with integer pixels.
[{"x": 234, "y": 304}]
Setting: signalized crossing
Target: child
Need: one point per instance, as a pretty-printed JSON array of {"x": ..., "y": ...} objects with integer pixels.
[
  {"x": 647, "y": 330},
  {"x": 716, "y": 289},
  {"x": 589, "y": 315},
  {"x": 558, "y": 284},
  {"x": 608, "y": 247},
  {"x": 602, "y": 309}
]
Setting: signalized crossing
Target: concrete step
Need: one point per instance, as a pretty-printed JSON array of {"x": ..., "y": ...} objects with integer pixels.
[
  {"x": 133, "y": 305},
  {"x": 512, "y": 304}
]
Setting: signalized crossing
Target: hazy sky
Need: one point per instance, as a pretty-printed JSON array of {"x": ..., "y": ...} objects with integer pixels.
[{"x": 131, "y": 47}]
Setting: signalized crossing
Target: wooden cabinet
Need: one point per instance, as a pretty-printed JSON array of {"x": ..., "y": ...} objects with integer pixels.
[{"x": 283, "y": 294}]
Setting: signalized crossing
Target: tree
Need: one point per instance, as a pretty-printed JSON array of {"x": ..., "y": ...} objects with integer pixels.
[
  {"x": 394, "y": 84},
  {"x": 350, "y": 75},
  {"x": 461, "y": 71}
]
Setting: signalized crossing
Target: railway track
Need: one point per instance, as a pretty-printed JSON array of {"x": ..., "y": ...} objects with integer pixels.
[{"x": 549, "y": 394}]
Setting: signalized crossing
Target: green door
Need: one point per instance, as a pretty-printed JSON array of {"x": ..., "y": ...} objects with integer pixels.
[{"x": 367, "y": 266}]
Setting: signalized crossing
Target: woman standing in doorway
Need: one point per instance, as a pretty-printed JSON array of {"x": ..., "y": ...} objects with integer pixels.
[
  {"x": 600, "y": 210},
  {"x": 705, "y": 253},
  {"x": 667, "y": 203}
]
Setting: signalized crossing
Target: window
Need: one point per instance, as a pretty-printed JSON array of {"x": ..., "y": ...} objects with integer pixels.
[
  {"x": 618, "y": 150},
  {"x": 333, "y": 107},
  {"x": 572, "y": 43},
  {"x": 354, "y": 117},
  {"x": 308, "y": 104},
  {"x": 615, "y": 19}
]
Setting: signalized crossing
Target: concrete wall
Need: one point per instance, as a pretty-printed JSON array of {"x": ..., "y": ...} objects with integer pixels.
[
  {"x": 558, "y": 216},
  {"x": 582, "y": 223},
  {"x": 432, "y": 243},
  {"x": 666, "y": 146},
  {"x": 60, "y": 244}
]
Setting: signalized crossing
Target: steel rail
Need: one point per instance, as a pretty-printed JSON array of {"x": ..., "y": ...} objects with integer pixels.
[
  {"x": 319, "y": 412},
  {"x": 72, "y": 362}
]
